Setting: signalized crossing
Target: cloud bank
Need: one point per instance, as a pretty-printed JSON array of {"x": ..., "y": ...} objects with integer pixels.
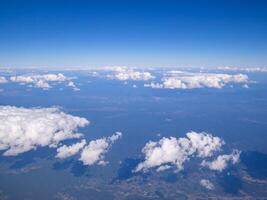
[
  {"x": 185, "y": 80},
  {"x": 174, "y": 152},
  {"x": 24, "y": 129}
]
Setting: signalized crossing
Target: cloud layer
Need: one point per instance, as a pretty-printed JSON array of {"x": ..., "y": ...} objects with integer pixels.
[
  {"x": 174, "y": 152},
  {"x": 185, "y": 80},
  {"x": 24, "y": 129}
]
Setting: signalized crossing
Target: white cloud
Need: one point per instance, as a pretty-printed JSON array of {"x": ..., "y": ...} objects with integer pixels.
[
  {"x": 175, "y": 151},
  {"x": 3, "y": 79},
  {"x": 221, "y": 162},
  {"x": 24, "y": 129},
  {"x": 186, "y": 80},
  {"x": 73, "y": 86},
  {"x": 39, "y": 81},
  {"x": 95, "y": 151},
  {"x": 67, "y": 151},
  {"x": 206, "y": 184}
]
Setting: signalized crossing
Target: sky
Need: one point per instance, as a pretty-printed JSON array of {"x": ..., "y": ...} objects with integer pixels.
[{"x": 54, "y": 33}]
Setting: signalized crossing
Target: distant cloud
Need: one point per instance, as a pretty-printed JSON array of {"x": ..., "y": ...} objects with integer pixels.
[
  {"x": 244, "y": 69},
  {"x": 132, "y": 75},
  {"x": 174, "y": 152},
  {"x": 123, "y": 73},
  {"x": 206, "y": 184},
  {"x": 25, "y": 129},
  {"x": 3, "y": 79},
  {"x": 186, "y": 80},
  {"x": 95, "y": 151},
  {"x": 73, "y": 86},
  {"x": 43, "y": 81},
  {"x": 221, "y": 162}
]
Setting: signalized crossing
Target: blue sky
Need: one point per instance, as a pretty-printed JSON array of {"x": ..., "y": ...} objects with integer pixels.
[{"x": 133, "y": 33}]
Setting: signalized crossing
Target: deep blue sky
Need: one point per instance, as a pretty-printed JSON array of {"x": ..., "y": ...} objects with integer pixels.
[{"x": 133, "y": 33}]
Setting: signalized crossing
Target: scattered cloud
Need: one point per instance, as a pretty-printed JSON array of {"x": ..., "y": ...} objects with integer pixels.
[
  {"x": 186, "y": 80},
  {"x": 174, "y": 152},
  {"x": 206, "y": 184},
  {"x": 221, "y": 162},
  {"x": 67, "y": 151},
  {"x": 94, "y": 152},
  {"x": 24, "y": 129}
]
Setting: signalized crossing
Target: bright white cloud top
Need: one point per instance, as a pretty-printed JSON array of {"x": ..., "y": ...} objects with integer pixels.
[
  {"x": 185, "y": 80},
  {"x": 174, "y": 152},
  {"x": 24, "y": 129},
  {"x": 94, "y": 152}
]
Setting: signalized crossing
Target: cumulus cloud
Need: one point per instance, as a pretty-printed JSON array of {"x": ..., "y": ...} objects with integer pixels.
[
  {"x": 206, "y": 184},
  {"x": 67, "y": 151},
  {"x": 24, "y": 129},
  {"x": 186, "y": 80},
  {"x": 221, "y": 162},
  {"x": 41, "y": 81},
  {"x": 94, "y": 152},
  {"x": 175, "y": 151},
  {"x": 3, "y": 79}
]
